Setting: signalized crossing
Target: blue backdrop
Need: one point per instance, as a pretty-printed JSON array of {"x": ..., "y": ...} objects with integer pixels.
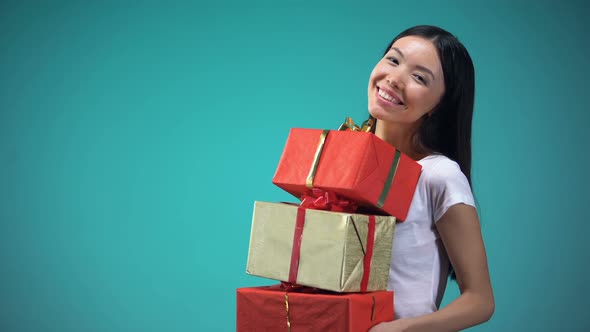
[{"x": 135, "y": 137}]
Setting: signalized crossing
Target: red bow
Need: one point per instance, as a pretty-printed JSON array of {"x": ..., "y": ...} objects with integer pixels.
[{"x": 319, "y": 199}]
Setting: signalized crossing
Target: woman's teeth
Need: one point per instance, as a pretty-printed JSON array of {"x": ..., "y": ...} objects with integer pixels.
[{"x": 386, "y": 96}]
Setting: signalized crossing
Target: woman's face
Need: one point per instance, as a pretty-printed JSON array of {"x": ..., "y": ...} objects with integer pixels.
[{"x": 407, "y": 83}]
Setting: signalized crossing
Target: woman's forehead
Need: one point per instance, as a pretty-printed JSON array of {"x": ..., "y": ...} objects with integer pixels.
[{"x": 416, "y": 49}]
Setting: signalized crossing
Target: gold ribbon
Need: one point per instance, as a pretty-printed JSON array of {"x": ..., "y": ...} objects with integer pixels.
[
  {"x": 316, "y": 159},
  {"x": 287, "y": 310},
  {"x": 289, "y": 320},
  {"x": 373, "y": 309},
  {"x": 349, "y": 125},
  {"x": 389, "y": 179}
]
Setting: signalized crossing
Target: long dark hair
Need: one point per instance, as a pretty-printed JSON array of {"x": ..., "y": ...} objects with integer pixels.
[{"x": 448, "y": 129}]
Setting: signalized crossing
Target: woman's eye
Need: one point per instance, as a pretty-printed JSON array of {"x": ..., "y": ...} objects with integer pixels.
[
  {"x": 420, "y": 78},
  {"x": 393, "y": 60}
]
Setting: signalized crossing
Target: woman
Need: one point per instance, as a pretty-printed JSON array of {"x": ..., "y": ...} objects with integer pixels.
[{"x": 421, "y": 96}]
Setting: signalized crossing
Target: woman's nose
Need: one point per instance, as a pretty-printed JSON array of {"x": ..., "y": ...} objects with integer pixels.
[{"x": 395, "y": 82}]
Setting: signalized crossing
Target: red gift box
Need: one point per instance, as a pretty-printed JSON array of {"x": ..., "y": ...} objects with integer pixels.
[
  {"x": 357, "y": 165},
  {"x": 272, "y": 308}
]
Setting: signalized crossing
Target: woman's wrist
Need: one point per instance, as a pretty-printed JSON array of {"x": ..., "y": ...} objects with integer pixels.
[
  {"x": 405, "y": 324},
  {"x": 414, "y": 324}
]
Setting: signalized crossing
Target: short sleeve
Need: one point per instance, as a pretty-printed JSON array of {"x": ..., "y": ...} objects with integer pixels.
[{"x": 448, "y": 186}]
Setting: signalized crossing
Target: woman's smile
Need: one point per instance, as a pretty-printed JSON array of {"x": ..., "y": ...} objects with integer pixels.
[
  {"x": 388, "y": 97},
  {"x": 407, "y": 83}
]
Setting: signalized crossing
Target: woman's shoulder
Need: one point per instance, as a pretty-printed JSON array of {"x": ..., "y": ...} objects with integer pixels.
[
  {"x": 445, "y": 183},
  {"x": 439, "y": 166},
  {"x": 440, "y": 171}
]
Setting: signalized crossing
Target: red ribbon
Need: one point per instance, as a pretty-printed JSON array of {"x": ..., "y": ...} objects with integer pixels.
[
  {"x": 294, "y": 288},
  {"x": 324, "y": 200},
  {"x": 369, "y": 254},
  {"x": 296, "y": 251},
  {"x": 319, "y": 199}
]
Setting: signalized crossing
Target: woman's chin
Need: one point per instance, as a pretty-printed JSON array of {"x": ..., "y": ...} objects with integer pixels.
[{"x": 379, "y": 113}]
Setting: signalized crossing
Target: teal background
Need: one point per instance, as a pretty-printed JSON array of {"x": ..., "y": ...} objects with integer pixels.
[{"x": 135, "y": 137}]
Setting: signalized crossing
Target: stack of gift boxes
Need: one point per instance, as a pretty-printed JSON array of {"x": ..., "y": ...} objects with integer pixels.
[{"x": 332, "y": 251}]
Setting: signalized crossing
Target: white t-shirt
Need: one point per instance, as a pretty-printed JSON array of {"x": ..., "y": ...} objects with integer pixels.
[{"x": 419, "y": 263}]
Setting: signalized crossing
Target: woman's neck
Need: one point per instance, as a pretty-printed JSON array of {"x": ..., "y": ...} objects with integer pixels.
[{"x": 400, "y": 136}]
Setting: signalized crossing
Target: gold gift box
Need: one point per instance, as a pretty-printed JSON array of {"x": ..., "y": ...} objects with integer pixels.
[{"x": 331, "y": 252}]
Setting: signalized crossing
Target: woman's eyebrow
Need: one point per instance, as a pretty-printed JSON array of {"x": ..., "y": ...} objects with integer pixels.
[{"x": 428, "y": 71}]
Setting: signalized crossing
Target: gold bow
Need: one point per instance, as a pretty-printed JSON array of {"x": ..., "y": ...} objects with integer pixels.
[
  {"x": 349, "y": 125},
  {"x": 287, "y": 310}
]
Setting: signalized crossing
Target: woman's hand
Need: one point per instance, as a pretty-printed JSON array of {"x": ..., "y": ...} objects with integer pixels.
[
  {"x": 399, "y": 325},
  {"x": 460, "y": 232}
]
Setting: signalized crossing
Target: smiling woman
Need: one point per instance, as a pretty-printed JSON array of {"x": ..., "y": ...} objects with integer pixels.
[
  {"x": 406, "y": 84},
  {"x": 421, "y": 95}
]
